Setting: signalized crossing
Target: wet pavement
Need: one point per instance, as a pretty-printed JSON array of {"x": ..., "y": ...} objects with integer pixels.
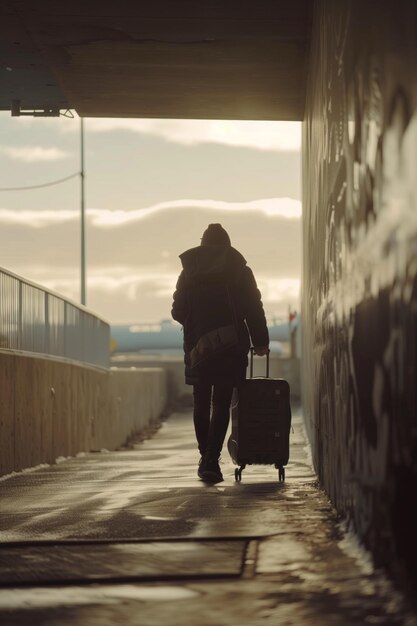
[{"x": 133, "y": 537}]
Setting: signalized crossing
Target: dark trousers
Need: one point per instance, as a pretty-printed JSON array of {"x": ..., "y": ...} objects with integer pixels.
[{"x": 211, "y": 416}]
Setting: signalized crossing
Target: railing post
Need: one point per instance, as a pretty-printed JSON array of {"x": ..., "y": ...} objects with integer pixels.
[
  {"x": 46, "y": 338},
  {"x": 65, "y": 329},
  {"x": 20, "y": 318}
]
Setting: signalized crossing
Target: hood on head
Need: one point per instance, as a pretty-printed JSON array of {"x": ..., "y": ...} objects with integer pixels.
[{"x": 211, "y": 261}]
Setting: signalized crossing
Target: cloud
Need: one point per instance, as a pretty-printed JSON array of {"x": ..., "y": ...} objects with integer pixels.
[
  {"x": 37, "y": 218},
  {"x": 33, "y": 154},
  {"x": 128, "y": 282},
  {"x": 259, "y": 135},
  {"x": 279, "y": 289},
  {"x": 144, "y": 294},
  {"x": 252, "y": 134},
  {"x": 272, "y": 207},
  {"x": 287, "y": 208}
]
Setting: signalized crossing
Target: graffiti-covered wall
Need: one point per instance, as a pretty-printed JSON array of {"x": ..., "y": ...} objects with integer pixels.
[{"x": 360, "y": 268}]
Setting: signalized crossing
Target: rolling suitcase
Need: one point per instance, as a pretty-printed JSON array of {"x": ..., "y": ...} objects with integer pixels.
[{"x": 261, "y": 422}]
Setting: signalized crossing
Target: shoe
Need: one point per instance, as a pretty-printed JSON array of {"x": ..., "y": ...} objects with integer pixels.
[{"x": 209, "y": 470}]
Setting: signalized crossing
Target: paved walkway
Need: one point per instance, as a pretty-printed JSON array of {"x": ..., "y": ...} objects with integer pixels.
[{"x": 132, "y": 537}]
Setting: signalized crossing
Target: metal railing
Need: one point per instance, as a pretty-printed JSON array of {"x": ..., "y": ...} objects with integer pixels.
[{"x": 34, "y": 319}]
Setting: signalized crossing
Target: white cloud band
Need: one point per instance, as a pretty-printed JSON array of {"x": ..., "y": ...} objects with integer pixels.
[
  {"x": 287, "y": 208},
  {"x": 34, "y": 154},
  {"x": 260, "y": 135},
  {"x": 251, "y": 134}
]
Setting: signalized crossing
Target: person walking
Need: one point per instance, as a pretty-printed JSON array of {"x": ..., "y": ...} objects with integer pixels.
[{"x": 219, "y": 306}]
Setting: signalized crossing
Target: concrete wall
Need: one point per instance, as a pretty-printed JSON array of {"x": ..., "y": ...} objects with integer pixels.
[
  {"x": 280, "y": 367},
  {"x": 360, "y": 267},
  {"x": 51, "y": 408},
  {"x": 173, "y": 365}
]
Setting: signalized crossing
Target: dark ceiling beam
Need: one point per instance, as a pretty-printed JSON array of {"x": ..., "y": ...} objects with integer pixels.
[{"x": 217, "y": 59}]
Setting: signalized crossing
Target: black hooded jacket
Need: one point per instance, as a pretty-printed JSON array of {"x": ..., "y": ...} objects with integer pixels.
[{"x": 205, "y": 264}]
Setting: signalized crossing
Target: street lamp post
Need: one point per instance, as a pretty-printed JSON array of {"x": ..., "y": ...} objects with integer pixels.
[{"x": 82, "y": 175}]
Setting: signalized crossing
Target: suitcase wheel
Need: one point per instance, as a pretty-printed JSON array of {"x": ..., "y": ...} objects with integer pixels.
[{"x": 281, "y": 474}]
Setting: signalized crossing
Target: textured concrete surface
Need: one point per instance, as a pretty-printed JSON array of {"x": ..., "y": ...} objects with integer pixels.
[
  {"x": 52, "y": 407},
  {"x": 360, "y": 269},
  {"x": 163, "y": 548}
]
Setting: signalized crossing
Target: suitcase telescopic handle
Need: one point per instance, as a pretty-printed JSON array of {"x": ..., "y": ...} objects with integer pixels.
[{"x": 252, "y": 352}]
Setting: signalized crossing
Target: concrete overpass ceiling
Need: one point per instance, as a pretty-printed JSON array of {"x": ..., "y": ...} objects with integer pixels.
[{"x": 169, "y": 59}]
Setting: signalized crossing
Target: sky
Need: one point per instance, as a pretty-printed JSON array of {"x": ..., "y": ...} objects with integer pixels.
[{"x": 152, "y": 187}]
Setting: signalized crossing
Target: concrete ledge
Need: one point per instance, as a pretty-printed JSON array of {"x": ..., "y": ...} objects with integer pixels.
[{"x": 51, "y": 408}]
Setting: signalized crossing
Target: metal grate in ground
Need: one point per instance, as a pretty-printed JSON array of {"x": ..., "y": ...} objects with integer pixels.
[{"x": 117, "y": 562}]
